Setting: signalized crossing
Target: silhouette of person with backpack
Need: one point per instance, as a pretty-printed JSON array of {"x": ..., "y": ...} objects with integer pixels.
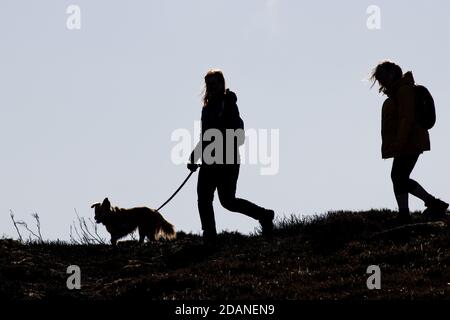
[
  {"x": 407, "y": 115},
  {"x": 220, "y": 165}
]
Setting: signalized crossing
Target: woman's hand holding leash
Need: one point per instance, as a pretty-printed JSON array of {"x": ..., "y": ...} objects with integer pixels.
[{"x": 192, "y": 166}]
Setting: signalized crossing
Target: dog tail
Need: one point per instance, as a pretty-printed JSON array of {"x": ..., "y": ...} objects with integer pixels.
[{"x": 166, "y": 229}]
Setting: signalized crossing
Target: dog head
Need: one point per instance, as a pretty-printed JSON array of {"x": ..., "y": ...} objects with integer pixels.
[{"x": 101, "y": 210}]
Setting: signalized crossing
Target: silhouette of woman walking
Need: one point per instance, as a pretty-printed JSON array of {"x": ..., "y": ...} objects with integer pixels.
[
  {"x": 403, "y": 138},
  {"x": 220, "y": 114}
]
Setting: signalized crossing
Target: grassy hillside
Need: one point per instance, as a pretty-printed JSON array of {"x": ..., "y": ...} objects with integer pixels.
[{"x": 322, "y": 257}]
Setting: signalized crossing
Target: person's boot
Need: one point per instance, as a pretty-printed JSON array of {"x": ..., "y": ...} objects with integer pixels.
[
  {"x": 404, "y": 217},
  {"x": 436, "y": 209},
  {"x": 267, "y": 224},
  {"x": 210, "y": 239}
]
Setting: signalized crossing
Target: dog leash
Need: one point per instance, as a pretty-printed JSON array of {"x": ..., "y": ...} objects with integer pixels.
[{"x": 179, "y": 188}]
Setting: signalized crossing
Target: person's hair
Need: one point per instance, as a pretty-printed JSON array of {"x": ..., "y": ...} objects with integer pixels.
[
  {"x": 381, "y": 72},
  {"x": 218, "y": 74}
]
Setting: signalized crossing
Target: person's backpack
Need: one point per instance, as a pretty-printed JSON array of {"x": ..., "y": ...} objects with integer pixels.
[
  {"x": 237, "y": 122},
  {"x": 425, "y": 109}
]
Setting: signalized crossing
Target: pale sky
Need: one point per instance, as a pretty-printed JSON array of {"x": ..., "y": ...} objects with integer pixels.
[{"x": 89, "y": 113}]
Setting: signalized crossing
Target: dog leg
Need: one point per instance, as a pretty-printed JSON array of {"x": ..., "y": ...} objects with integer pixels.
[
  {"x": 114, "y": 241},
  {"x": 151, "y": 235},
  {"x": 142, "y": 234}
]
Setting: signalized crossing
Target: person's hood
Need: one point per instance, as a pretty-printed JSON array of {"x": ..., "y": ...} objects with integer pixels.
[
  {"x": 407, "y": 79},
  {"x": 230, "y": 96}
]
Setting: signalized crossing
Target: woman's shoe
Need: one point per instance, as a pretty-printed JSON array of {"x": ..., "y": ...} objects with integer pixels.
[
  {"x": 436, "y": 208},
  {"x": 267, "y": 224},
  {"x": 404, "y": 217},
  {"x": 210, "y": 238}
]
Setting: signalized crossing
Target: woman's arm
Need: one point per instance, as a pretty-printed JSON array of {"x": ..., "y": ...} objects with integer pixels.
[
  {"x": 406, "y": 110},
  {"x": 236, "y": 121}
]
